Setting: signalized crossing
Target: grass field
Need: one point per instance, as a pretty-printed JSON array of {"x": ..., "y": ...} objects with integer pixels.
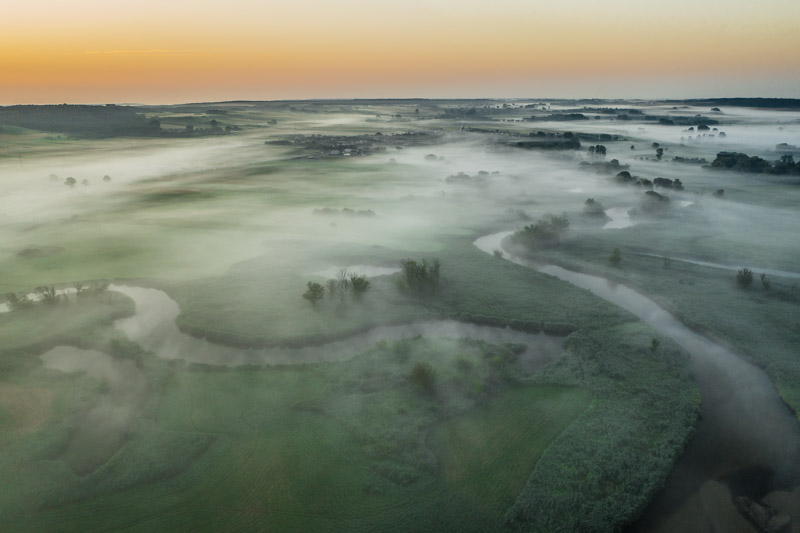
[{"x": 274, "y": 465}]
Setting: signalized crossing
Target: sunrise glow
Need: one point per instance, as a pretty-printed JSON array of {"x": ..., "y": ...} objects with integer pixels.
[{"x": 160, "y": 52}]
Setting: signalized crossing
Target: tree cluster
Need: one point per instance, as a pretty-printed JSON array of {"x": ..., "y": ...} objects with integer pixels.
[
  {"x": 593, "y": 208},
  {"x": 345, "y": 284},
  {"x": 654, "y": 203},
  {"x": 666, "y": 183},
  {"x": 625, "y": 178},
  {"x": 421, "y": 276},
  {"x": 740, "y": 162},
  {"x": 545, "y": 232},
  {"x": 598, "y": 149},
  {"x": 47, "y": 294}
]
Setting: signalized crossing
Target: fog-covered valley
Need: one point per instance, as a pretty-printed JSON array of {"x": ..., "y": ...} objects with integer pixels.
[{"x": 408, "y": 315}]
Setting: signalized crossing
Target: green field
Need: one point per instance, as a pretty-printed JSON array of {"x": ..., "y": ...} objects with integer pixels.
[{"x": 250, "y": 449}]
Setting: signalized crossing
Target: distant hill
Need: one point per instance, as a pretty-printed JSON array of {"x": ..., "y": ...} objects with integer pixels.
[{"x": 81, "y": 120}]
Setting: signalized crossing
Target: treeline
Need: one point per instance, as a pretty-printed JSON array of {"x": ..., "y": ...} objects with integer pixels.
[
  {"x": 550, "y": 141},
  {"x": 740, "y": 162},
  {"x": 559, "y": 117},
  {"x": 771, "y": 103}
]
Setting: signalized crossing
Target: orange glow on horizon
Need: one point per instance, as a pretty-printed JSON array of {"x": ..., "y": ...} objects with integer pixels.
[{"x": 361, "y": 50}]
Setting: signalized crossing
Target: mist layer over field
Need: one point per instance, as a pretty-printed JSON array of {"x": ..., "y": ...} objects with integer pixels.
[{"x": 158, "y": 346}]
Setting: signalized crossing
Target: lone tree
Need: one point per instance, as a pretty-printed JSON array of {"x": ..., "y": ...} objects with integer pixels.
[
  {"x": 314, "y": 293},
  {"x": 744, "y": 277},
  {"x": 424, "y": 376},
  {"x": 615, "y": 257},
  {"x": 654, "y": 344}
]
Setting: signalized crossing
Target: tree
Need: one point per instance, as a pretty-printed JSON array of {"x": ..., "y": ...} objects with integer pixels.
[
  {"x": 343, "y": 284},
  {"x": 424, "y": 376},
  {"x": 47, "y": 294},
  {"x": 659, "y": 153},
  {"x": 359, "y": 284},
  {"x": 70, "y": 181},
  {"x": 654, "y": 344},
  {"x": 332, "y": 288},
  {"x": 592, "y": 207},
  {"x": 97, "y": 287},
  {"x": 17, "y": 302},
  {"x": 80, "y": 288},
  {"x": 314, "y": 293},
  {"x": 654, "y": 203},
  {"x": 744, "y": 277},
  {"x": 106, "y": 178},
  {"x": 615, "y": 257}
]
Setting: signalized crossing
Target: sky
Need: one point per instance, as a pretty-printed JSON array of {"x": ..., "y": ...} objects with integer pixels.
[{"x": 172, "y": 51}]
